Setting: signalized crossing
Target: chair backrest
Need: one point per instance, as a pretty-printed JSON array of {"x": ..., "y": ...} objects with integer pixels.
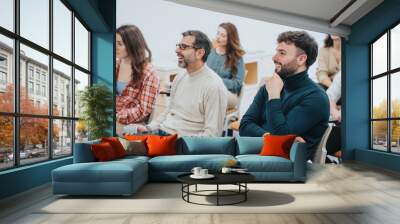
[
  {"x": 234, "y": 114},
  {"x": 320, "y": 153},
  {"x": 241, "y": 93}
]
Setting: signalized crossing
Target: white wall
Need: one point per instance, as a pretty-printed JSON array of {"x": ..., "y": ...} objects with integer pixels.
[{"x": 163, "y": 22}]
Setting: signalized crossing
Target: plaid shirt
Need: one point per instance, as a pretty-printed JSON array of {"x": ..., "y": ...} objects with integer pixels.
[{"x": 135, "y": 104}]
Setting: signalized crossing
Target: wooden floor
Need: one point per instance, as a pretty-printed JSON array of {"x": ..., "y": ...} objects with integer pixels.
[{"x": 378, "y": 188}]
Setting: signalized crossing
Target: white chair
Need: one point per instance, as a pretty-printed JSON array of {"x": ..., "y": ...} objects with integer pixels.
[{"x": 321, "y": 152}]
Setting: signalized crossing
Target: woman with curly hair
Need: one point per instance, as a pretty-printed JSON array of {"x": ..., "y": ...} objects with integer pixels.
[{"x": 226, "y": 59}]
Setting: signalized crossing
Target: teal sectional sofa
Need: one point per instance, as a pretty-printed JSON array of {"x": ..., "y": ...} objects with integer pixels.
[{"x": 125, "y": 176}]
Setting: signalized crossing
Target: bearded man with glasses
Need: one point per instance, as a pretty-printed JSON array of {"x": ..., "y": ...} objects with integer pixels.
[
  {"x": 199, "y": 97},
  {"x": 290, "y": 102}
]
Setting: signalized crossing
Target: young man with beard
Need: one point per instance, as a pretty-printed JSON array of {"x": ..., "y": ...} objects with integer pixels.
[
  {"x": 290, "y": 102},
  {"x": 199, "y": 98}
]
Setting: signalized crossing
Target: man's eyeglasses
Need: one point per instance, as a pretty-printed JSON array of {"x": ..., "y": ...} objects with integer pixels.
[{"x": 185, "y": 46}]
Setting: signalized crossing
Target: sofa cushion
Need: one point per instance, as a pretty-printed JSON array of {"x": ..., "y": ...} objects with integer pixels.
[
  {"x": 249, "y": 145},
  {"x": 112, "y": 171},
  {"x": 136, "y": 137},
  {"x": 185, "y": 163},
  {"x": 103, "y": 151},
  {"x": 134, "y": 147},
  {"x": 132, "y": 157},
  {"x": 116, "y": 145},
  {"x": 277, "y": 145},
  {"x": 93, "y": 172},
  {"x": 257, "y": 163},
  {"x": 83, "y": 152},
  {"x": 161, "y": 145},
  {"x": 206, "y": 145}
]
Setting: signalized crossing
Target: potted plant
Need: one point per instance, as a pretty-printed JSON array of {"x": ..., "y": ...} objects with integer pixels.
[{"x": 96, "y": 103}]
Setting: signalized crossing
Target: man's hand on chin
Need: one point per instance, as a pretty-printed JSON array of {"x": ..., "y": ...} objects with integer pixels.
[
  {"x": 299, "y": 139},
  {"x": 274, "y": 86}
]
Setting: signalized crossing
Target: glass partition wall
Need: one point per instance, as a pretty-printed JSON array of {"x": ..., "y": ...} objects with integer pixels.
[
  {"x": 44, "y": 64},
  {"x": 385, "y": 92}
]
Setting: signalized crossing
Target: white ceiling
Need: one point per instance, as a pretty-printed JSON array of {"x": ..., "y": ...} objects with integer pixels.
[
  {"x": 322, "y": 9},
  {"x": 315, "y": 15}
]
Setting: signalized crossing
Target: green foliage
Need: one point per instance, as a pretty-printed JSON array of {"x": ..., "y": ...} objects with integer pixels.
[
  {"x": 380, "y": 127},
  {"x": 96, "y": 102}
]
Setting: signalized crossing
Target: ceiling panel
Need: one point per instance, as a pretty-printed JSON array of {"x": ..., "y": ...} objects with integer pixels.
[
  {"x": 315, "y": 15},
  {"x": 320, "y": 9}
]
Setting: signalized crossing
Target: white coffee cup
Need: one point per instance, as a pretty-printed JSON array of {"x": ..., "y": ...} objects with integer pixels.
[
  {"x": 226, "y": 170},
  {"x": 203, "y": 172},
  {"x": 196, "y": 170}
]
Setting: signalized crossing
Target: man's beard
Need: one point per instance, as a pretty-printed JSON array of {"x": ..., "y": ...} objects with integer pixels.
[
  {"x": 286, "y": 70},
  {"x": 182, "y": 63}
]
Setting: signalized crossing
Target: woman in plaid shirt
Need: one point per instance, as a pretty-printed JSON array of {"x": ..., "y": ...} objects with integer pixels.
[{"x": 137, "y": 81}]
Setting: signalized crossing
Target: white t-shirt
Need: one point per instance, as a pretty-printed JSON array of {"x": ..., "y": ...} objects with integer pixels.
[{"x": 335, "y": 90}]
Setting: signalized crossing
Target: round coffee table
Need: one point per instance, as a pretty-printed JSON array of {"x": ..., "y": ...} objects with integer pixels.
[{"x": 238, "y": 179}]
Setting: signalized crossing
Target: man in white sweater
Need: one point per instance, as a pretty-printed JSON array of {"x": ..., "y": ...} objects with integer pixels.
[{"x": 198, "y": 96}]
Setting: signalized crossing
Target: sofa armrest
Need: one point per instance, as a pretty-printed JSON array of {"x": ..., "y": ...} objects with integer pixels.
[
  {"x": 83, "y": 153},
  {"x": 298, "y": 155}
]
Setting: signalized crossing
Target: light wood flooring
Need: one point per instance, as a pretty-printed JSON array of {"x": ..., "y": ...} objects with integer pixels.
[{"x": 379, "y": 189}]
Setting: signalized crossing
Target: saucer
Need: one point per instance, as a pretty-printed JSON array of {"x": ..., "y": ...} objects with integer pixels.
[
  {"x": 240, "y": 171},
  {"x": 208, "y": 176}
]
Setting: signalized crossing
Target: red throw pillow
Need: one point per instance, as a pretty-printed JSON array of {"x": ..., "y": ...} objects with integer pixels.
[
  {"x": 161, "y": 145},
  {"x": 116, "y": 145},
  {"x": 103, "y": 151},
  {"x": 277, "y": 145}
]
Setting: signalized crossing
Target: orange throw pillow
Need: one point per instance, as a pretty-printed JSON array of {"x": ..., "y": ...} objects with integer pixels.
[
  {"x": 103, "y": 151},
  {"x": 277, "y": 145},
  {"x": 116, "y": 145},
  {"x": 161, "y": 145}
]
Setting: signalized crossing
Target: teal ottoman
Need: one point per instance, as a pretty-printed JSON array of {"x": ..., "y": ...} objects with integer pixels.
[{"x": 118, "y": 177}]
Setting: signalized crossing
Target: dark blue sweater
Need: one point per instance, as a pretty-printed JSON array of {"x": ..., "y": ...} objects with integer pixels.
[{"x": 303, "y": 110}]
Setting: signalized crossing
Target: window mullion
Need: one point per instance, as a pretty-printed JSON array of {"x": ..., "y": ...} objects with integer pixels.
[
  {"x": 389, "y": 104},
  {"x": 50, "y": 81},
  {"x": 16, "y": 83},
  {"x": 371, "y": 92},
  {"x": 20, "y": 79},
  {"x": 73, "y": 82}
]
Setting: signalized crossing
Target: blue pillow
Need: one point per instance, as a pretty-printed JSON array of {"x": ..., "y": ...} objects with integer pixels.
[
  {"x": 249, "y": 145},
  {"x": 206, "y": 145}
]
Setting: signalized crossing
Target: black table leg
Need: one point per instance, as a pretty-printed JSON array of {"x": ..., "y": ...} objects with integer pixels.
[
  {"x": 220, "y": 193},
  {"x": 182, "y": 190},
  {"x": 245, "y": 193},
  {"x": 217, "y": 194},
  {"x": 188, "y": 190}
]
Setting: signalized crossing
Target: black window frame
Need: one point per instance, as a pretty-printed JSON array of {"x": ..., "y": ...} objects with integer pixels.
[
  {"x": 388, "y": 74},
  {"x": 16, "y": 115}
]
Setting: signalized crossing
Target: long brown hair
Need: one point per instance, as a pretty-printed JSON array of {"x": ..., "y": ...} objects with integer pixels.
[
  {"x": 233, "y": 49},
  {"x": 328, "y": 41},
  {"x": 136, "y": 48}
]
